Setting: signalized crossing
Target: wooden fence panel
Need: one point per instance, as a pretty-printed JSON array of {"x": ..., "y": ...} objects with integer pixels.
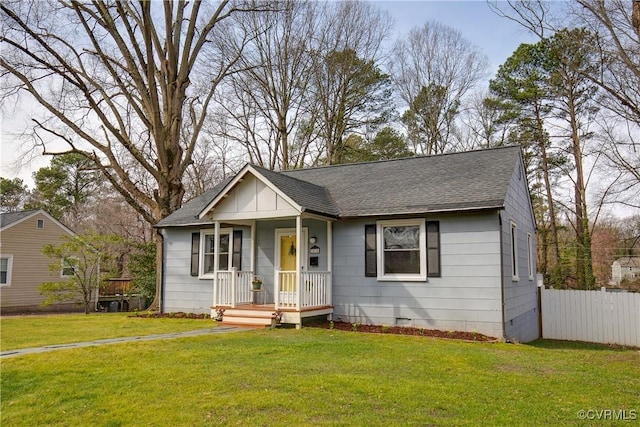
[{"x": 591, "y": 316}]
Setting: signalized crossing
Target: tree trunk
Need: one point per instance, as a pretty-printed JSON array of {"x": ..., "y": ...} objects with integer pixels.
[
  {"x": 584, "y": 268},
  {"x": 549, "y": 195},
  {"x": 156, "y": 304}
]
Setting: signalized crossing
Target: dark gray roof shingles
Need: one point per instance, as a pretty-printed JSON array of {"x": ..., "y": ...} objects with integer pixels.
[
  {"x": 458, "y": 181},
  {"x": 310, "y": 196},
  {"x": 8, "y": 218},
  {"x": 472, "y": 180}
]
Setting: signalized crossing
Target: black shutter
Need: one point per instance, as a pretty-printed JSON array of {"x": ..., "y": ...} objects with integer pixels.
[
  {"x": 236, "y": 260},
  {"x": 433, "y": 249},
  {"x": 370, "y": 253},
  {"x": 195, "y": 253}
]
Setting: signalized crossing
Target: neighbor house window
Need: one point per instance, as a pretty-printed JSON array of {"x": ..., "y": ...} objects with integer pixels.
[
  {"x": 40, "y": 223},
  {"x": 514, "y": 251},
  {"x": 401, "y": 253},
  {"x": 207, "y": 248},
  {"x": 6, "y": 263},
  {"x": 530, "y": 255},
  {"x": 68, "y": 267}
]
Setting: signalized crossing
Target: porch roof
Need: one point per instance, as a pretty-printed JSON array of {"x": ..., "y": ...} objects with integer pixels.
[{"x": 473, "y": 180}]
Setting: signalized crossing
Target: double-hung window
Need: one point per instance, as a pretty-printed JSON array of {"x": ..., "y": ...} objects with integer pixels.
[
  {"x": 69, "y": 266},
  {"x": 6, "y": 262},
  {"x": 515, "y": 276},
  {"x": 402, "y": 250},
  {"x": 530, "y": 255},
  {"x": 207, "y": 251}
]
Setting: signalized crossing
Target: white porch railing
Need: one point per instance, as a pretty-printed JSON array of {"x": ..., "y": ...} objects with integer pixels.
[
  {"x": 315, "y": 289},
  {"x": 232, "y": 288}
]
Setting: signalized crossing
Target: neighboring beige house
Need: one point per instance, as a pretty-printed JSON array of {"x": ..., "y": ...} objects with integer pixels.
[
  {"x": 625, "y": 268},
  {"x": 23, "y": 266}
]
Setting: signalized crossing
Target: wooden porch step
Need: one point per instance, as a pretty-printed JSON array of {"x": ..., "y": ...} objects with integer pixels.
[
  {"x": 248, "y": 317},
  {"x": 245, "y": 325},
  {"x": 248, "y": 313}
]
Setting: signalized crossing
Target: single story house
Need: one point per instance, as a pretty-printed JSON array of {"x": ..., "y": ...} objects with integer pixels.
[
  {"x": 23, "y": 266},
  {"x": 441, "y": 242}
]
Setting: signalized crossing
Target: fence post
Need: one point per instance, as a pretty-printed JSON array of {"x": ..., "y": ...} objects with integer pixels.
[{"x": 540, "y": 291}]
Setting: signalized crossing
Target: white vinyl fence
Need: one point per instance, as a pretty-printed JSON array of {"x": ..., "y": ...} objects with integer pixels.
[{"x": 591, "y": 316}]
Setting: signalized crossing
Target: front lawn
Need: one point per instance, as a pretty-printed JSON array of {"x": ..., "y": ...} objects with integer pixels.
[
  {"x": 40, "y": 330},
  {"x": 318, "y": 377}
]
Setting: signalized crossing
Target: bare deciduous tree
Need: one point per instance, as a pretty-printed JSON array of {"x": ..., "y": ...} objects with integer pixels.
[
  {"x": 349, "y": 91},
  {"x": 119, "y": 82},
  {"x": 433, "y": 69}
]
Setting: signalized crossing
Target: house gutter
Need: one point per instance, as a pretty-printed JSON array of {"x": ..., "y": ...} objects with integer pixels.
[
  {"x": 160, "y": 258},
  {"x": 502, "y": 297}
]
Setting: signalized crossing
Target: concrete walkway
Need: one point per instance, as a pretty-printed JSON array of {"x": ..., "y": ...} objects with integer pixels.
[{"x": 54, "y": 347}]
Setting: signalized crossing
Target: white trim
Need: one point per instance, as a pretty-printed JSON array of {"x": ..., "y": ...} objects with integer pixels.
[
  {"x": 252, "y": 264},
  {"x": 515, "y": 271},
  {"x": 422, "y": 248},
  {"x": 9, "y": 269},
  {"x": 211, "y": 232},
  {"x": 292, "y": 232},
  {"x": 530, "y": 256},
  {"x": 236, "y": 180}
]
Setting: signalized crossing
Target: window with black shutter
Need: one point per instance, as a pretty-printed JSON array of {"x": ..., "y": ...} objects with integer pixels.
[
  {"x": 433, "y": 249},
  {"x": 370, "y": 251},
  {"x": 195, "y": 253},
  {"x": 236, "y": 260}
]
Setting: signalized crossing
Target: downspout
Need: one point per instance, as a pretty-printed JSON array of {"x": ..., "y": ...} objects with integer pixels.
[
  {"x": 502, "y": 297},
  {"x": 160, "y": 282}
]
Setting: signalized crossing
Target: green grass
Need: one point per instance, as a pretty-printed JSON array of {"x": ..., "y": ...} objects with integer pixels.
[
  {"x": 318, "y": 377},
  {"x": 40, "y": 330}
]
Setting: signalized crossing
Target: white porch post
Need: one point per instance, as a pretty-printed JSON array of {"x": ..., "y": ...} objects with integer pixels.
[
  {"x": 252, "y": 264},
  {"x": 216, "y": 251},
  {"x": 299, "y": 260},
  {"x": 276, "y": 287},
  {"x": 234, "y": 285},
  {"x": 330, "y": 262}
]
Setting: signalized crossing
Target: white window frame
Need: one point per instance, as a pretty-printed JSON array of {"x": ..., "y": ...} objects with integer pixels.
[
  {"x": 402, "y": 277},
  {"x": 514, "y": 252},
  {"x": 530, "y": 255},
  {"x": 9, "y": 269},
  {"x": 62, "y": 266},
  {"x": 40, "y": 222},
  {"x": 203, "y": 235}
]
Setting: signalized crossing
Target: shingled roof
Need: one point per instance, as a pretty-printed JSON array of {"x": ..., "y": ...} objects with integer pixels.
[
  {"x": 473, "y": 180},
  {"x": 8, "y": 218}
]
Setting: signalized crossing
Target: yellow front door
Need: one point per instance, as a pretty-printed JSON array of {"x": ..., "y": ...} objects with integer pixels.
[{"x": 288, "y": 252}]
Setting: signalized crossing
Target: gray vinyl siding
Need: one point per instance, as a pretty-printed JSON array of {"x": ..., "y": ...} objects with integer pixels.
[
  {"x": 265, "y": 248},
  {"x": 467, "y": 296},
  {"x": 521, "y": 296},
  {"x": 185, "y": 293}
]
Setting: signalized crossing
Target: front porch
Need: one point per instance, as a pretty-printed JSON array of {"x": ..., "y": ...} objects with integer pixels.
[{"x": 295, "y": 296}]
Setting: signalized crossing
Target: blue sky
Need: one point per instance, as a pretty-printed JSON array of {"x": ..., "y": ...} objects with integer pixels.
[{"x": 495, "y": 36}]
